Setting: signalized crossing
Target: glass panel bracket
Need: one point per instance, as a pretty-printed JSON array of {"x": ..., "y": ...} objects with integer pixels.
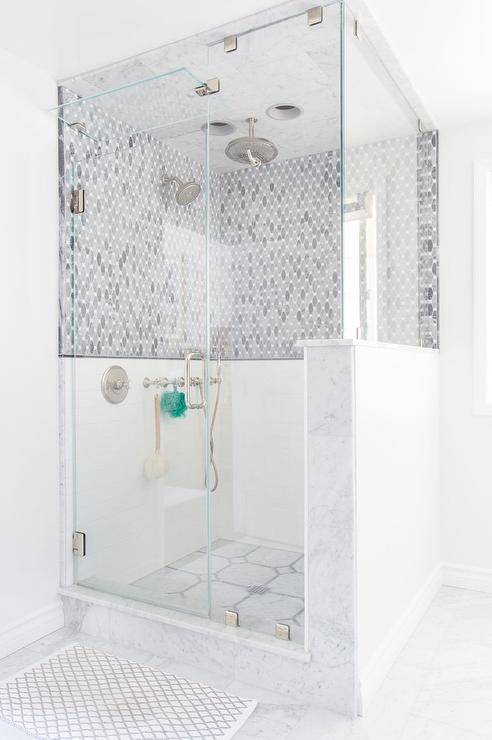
[
  {"x": 230, "y": 44},
  {"x": 315, "y": 15},
  {"x": 78, "y": 544},
  {"x": 210, "y": 87},
  {"x": 77, "y": 202}
]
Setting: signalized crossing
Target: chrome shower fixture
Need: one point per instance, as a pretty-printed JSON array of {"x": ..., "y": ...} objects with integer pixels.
[
  {"x": 252, "y": 150},
  {"x": 186, "y": 191}
]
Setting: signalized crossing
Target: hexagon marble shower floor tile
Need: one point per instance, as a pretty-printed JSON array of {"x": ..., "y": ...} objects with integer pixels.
[{"x": 264, "y": 585}]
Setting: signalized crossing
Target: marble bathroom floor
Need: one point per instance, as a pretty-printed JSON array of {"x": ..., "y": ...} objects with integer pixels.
[
  {"x": 440, "y": 687},
  {"x": 264, "y": 585}
]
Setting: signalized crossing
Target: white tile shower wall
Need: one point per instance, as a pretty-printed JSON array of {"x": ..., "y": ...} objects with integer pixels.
[
  {"x": 135, "y": 526},
  {"x": 268, "y": 449},
  {"x": 398, "y": 553}
]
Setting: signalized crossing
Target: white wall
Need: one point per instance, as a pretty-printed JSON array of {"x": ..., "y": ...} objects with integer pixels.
[
  {"x": 29, "y": 539},
  {"x": 398, "y": 552},
  {"x": 466, "y": 439}
]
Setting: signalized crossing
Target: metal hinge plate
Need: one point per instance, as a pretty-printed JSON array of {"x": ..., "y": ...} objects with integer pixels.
[
  {"x": 78, "y": 544},
  {"x": 210, "y": 87},
  {"x": 230, "y": 44},
  {"x": 77, "y": 201},
  {"x": 231, "y": 618},
  {"x": 315, "y": 15},
  {"x": 282, "y": 631}
]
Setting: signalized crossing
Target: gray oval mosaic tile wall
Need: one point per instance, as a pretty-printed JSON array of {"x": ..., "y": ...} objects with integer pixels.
[{"x": 133, "y": 266}]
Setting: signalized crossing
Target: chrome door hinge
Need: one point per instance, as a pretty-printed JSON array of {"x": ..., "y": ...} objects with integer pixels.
[
  {"x": 210, "y": 87},
  {"x": 231, "y": 618},
  {"x": 282, "y": 631},
  {"x": 78, "y": 544},
  {"x": 356, "y": 29},
  {"x": 77, "y": 201}
]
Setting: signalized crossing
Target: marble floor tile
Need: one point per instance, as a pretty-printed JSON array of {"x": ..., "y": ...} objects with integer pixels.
[
  {"x": 439, "y": 688},
  {"x": 247, "y": 574},
  {"x": 273, "y": 557},
  {"x": 419, "y": 728},
  {"x": 168, "y": 581},
  {"x": 231, "y": 548},
  {"x": 288, "y": 583},
  {"x": 197, "y": 563},
  {"x": 271, "y": 722}
]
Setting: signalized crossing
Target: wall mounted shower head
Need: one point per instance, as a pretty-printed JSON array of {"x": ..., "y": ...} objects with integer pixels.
[
  {"x": 251, "y": 149},
  {"x": 186, "y": 191}
]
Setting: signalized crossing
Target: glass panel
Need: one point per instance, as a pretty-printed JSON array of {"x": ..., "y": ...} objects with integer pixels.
[
  {"x": 136, "y": 296},
  {"x": 274, "y": 274},
  {"x": 146, "y": 106},
  {"x": 386, "y": 275}
]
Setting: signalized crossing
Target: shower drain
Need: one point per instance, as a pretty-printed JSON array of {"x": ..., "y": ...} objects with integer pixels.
[{"x": 258, "y": 589}]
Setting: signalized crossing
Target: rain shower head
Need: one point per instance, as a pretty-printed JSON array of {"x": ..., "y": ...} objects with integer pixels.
[
  {"x": 186, "y": 191},
  {"x": 251, "y": 149}
]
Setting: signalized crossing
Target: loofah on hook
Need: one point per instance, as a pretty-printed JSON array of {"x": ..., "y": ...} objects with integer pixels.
[
  {"x": 173, "y": 403},
  {"x": 156, "y": 465}
]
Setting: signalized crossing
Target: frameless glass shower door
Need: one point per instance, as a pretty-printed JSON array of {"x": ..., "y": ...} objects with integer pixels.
[
  {"x": 275, "y": 273},
  {"x": 135, "y": 331}
]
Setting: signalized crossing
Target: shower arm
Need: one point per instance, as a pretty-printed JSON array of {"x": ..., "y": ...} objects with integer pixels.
[
  {"x": 165, "y": 180},
  {"x": 254, "y": 161}
]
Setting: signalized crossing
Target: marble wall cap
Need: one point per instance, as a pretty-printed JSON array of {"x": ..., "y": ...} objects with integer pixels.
[{"x": 361, "y": 343}]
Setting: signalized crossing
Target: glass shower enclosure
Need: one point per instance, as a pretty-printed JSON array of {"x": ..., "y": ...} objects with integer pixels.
[{"x": 205, "y": 198}]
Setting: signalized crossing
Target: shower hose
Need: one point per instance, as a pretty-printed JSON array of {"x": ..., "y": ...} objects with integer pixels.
[{"x": 218, "y": 382}]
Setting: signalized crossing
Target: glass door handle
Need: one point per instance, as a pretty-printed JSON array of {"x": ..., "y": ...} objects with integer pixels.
[{"x": 188, "y": 380}]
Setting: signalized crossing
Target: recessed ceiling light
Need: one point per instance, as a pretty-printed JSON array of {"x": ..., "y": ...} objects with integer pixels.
[
  {"x": 283, "y": 112},
  {"x": 219, "y": 128}
]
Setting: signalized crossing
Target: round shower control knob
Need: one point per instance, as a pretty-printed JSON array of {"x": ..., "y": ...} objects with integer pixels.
[{"x": 115, "y": 384}]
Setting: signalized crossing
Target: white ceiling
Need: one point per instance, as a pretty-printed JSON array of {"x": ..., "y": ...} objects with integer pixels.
[
  {"x": 261, "y": 73},
  {"x": 445, "y": 48},
  {"x": 67, "y": 38},
  {"x": 443, "y": 45}
]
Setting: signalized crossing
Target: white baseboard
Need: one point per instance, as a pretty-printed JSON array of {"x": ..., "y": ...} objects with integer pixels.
[
  {"x": 32, "y": 628},
  {"x": 464, "y": 576},
  {"x": 384, "y": 657}
]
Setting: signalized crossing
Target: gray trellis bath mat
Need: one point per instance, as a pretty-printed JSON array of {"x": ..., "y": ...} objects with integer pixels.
[{"x": 83, "y": 694}]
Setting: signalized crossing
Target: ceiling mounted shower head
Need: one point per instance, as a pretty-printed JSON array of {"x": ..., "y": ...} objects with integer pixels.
[
  {"x": 252, "y": 150},
  {"x": 186, "y": 191}
]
